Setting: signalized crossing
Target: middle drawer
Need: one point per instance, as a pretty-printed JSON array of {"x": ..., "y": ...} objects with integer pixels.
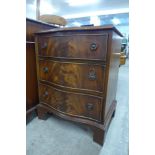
[{"x": 72, "y": 75}]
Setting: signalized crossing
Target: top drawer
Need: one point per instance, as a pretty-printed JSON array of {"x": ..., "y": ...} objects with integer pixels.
[{"x": 77, "y": 46}]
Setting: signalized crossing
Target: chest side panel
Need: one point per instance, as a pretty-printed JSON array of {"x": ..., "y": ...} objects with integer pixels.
[{"x": 113, "y": 68}]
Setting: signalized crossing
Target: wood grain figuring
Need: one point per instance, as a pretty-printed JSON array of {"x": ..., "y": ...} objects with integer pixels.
[
  {"x": 44, "y": 110},
  {"x": 84, "y": 46},
  {"x": 75, "y": 75},
  {"x": 70, "y": 103}
]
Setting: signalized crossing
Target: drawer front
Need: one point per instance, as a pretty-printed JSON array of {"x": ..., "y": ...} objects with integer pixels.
[
  {"x": 74, "y": 46},
  {"x": 74, "y": 104},
  {"x": 73, "y": 75}
]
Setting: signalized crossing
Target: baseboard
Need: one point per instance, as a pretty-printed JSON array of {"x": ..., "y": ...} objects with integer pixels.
[{"x": 31, "y": 114}]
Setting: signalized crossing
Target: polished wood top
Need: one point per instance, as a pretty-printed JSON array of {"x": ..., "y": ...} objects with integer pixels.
[{"x": 105, "y": 27}]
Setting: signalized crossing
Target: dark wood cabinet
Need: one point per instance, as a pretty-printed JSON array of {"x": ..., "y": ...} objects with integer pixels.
[
  {"x": 77, "y": 75},
  {"x": 32, "y": 98}
]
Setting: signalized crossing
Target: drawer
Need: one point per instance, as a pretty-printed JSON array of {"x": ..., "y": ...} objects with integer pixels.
[
  {"x": 74, "y": 104},
  {"x": 84, "y": 46},
  {"x": 73, "y": 75}
]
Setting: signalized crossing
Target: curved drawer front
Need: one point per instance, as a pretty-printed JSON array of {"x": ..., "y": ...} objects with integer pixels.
[
  {"x": 74, "y": 47},
  {"x": 72, "y": 75},
  {"x": 74, "y": 104}
]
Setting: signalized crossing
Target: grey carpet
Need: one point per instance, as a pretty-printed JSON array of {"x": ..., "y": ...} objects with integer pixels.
[{"x": 56, "y": 136}]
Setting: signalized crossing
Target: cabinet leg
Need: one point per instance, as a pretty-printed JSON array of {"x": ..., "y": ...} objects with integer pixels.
[
  {"x": 42, "y": 112},
  {"x": 98, "y": 136}
]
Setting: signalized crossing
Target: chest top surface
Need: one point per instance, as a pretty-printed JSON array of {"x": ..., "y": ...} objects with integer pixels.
[{"x": 82, "y": 29}]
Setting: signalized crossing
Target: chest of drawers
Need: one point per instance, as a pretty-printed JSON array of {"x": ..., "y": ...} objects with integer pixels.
[
  {"x": 32, "y": 98},
  {"x": 77, "y": 75}
]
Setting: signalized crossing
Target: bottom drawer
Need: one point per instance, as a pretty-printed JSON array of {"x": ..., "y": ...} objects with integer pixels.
[{"x": 74, "y": 104}]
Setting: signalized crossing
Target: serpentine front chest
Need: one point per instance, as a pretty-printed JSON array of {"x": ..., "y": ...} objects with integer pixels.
[{"x": 77, "y": 75}]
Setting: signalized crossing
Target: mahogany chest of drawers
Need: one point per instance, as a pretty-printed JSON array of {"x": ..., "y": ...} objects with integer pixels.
[
  {"x": 77, "y": 75},
  {"x": 32, "y": 98}
]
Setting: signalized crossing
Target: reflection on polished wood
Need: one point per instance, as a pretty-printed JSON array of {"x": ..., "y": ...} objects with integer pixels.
[
  {"x": 73, "y": 75},
  {"x": 65, "y": 46},
  {"x": 73, "y": 104},
  {"x": 77, "y": 75}
]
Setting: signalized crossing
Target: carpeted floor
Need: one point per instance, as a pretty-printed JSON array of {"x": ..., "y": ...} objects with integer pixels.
[{"x": 56, "y": 136}]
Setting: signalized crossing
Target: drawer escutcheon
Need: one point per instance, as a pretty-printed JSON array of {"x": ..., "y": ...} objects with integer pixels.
[
  {"x": 89, "y": 106},
  {"x": 45, "y": 94},
  {"x": 45, "y": 69},
  {"x": 92, "y": 74},
  {"x": 93, "y": 46},
  {"x": 44, "y": 45}
]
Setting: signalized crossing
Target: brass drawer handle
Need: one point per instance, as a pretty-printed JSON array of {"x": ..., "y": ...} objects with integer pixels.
[
  {"x": 93, "y": 46},
  {"x": 44, "y": 45},
  {"x": 92, "y": 74},
  {"x": 89, "y": 106},
  {"x": 45, "y": 69},
  {"x": 45, "y": 94}
]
